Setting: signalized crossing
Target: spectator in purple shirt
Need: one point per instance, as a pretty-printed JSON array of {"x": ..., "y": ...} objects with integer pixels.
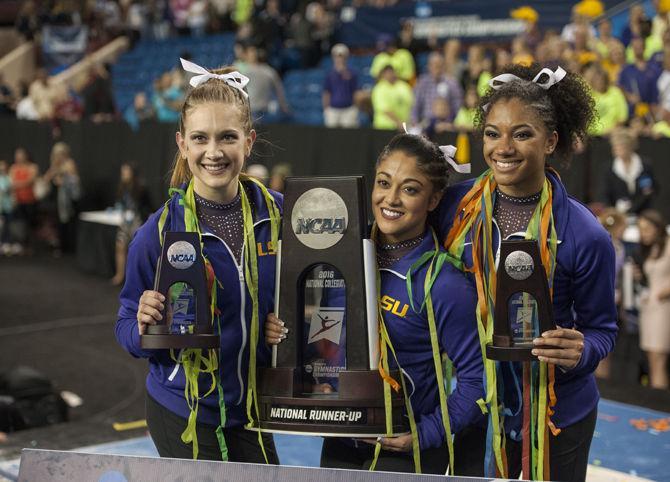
[
  {"x": 638, "y": 81},
  {"x": 339, "y": 90},
  {"x": 433, "y": 84}
]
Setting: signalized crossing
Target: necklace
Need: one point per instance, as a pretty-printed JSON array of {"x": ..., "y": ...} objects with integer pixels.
[
  {"x": 388, "y": 254},
  {"x": 409, "y": 243},
  {"x": 519, "y": 200},
  {"x": 219, "y": 206}
]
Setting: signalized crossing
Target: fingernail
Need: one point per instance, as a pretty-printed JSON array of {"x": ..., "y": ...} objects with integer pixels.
[
  {"x": 537, "y": 340},
  {"x": 534, "y": 352},
  {"x": 283, "y": 336},
  {"x": 284, "y": 330},
  {"x": 281, "y": 322},
  {"x": 161, "y": 297},
  {"x": 379, "y": 439}
]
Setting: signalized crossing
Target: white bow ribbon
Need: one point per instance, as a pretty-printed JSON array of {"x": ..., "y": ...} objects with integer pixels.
[
  {"x": 234, "y": 79},
  {"x": 448, "y": 151},
  {"x": 450, "y": 154},
  {"x": 552, "y": 78},
  {"x": 413, "y": 130}
]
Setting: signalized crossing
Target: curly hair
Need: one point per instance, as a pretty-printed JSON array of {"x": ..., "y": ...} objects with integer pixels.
[
  {"x": 429, "y": 158},
  {"x": 566, "y": 107}
]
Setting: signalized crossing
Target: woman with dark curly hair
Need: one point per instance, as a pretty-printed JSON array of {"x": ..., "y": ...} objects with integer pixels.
[{"x": 529, "y": 117}]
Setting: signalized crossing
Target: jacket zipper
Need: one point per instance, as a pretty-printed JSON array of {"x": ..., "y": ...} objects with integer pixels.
[
  {"x": 243, "y": 305},
  {"x": 243, "y": 297}
]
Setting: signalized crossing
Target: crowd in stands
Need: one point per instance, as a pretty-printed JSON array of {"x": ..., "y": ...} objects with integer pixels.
[
  {"x": 39, "y": 208},
  {"x": 42, "y": 101},
  {"x": 629, "y": 74}
]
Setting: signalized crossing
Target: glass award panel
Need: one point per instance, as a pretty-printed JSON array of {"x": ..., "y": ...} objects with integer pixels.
[
  {"x": 324, "y": 329},
  {"x": 523, "y": 317},
  {"x": 181, "y": 309}
]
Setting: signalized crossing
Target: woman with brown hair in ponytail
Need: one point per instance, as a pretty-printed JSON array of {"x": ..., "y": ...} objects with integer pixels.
[{"x": 197, "y": 401}]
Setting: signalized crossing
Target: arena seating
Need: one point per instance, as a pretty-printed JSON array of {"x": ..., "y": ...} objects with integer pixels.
[{"x": 136, "y": 70}]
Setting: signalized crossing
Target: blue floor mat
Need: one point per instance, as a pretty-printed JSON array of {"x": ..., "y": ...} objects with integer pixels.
[
  {"x": 627, "y": 439},
  {"x": 632, "y": 440}
]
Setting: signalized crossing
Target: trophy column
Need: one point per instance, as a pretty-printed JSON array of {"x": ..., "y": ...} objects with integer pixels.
[
  {"x": 523, "y": 309},
  {"x": 181, "y": 262},
  {"x": 324, "y": 378}
]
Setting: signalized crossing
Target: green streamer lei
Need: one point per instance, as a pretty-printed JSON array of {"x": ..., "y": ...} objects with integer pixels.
[
  {"x": 194, "y": 361},
  {"x": 389, "y": 383},
  {"x": 541, "y": 222},
  {"x": 437, "y": 260},
  {"x": 251, "y": 277},
  {"x": 475, "y": 215}
]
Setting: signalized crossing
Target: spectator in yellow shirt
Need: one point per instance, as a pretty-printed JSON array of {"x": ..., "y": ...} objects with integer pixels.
[
  {"x": 615, "y": 61},
  {"x": 392, "y": 100},
  {"x": 611, "y": 105},
  {"x": 605, "y": 38},
  {"x": 662, "y": 127},
  {"x": 465, "y": 119},
  {"x": 401, "y": 59}
]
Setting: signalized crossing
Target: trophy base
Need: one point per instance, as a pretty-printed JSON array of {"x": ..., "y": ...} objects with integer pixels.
[
  {"x": 356, "y": 410},
  {"x": 166, "y": 340},
  {"x": 510, "y": 353}
]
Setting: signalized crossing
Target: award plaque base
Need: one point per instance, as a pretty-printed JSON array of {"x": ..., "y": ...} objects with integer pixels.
[
  {"x": 518, "y": 352},
  {"x": 356, "y": 410},
  {"x": 324, "y": 379},
  {"x": 157, "y": 337}
]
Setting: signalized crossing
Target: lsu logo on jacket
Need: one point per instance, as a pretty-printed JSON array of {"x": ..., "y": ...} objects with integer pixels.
[
  {"x": 392, "y": 305},
  {"x": 266, "y": 249}
]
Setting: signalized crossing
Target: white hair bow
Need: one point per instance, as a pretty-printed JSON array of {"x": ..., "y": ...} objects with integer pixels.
[
  {"x": 448, "y": 151},
  {"x": 551, "y": 79},
  {"x": 450, "y": 154},
  {"x": 234, "y": 79}
]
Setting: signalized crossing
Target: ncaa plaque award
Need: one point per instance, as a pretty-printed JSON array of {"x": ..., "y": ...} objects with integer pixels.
[
  {"x": 523, "y": 308},
  {"x": 324, "y": 378},
  {"x": 180, "y": 277}
]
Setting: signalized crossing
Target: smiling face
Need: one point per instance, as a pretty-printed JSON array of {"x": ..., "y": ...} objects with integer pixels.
[
  {"x": 516, "y": 145},
  {"x": 402, "y": 197},
  {"x": 215, "y": 145}
]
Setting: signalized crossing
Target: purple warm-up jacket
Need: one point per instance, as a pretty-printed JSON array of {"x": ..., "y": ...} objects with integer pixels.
[
  {"x": 165, "y": 381},
  {"x": 583, "y": 296},
  {"x": 454, "y": 300}
]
